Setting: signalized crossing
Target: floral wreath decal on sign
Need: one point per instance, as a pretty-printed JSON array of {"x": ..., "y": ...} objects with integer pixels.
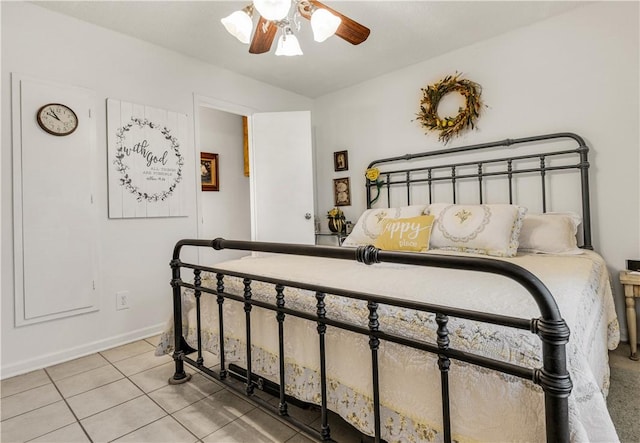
[
  {"x": 450, "y": 127},
  {"x": 126, "y": 181}
]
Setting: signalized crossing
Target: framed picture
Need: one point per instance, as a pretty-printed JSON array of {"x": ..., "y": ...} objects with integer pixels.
[
  {"x": 341, "y": 191},
  {"x": 209, "y": 172},
  {"x": 340, "y": 161},
  {"x": 245, "y": 145}
]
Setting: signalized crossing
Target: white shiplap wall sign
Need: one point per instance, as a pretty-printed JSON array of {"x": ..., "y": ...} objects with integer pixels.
[{"x": 146, "y": 163}]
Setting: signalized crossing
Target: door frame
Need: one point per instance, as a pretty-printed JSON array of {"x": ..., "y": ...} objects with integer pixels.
[{"x": 232, "y": 108}]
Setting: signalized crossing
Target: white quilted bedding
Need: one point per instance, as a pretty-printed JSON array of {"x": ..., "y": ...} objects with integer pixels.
[{"x": 485, "y": 405}]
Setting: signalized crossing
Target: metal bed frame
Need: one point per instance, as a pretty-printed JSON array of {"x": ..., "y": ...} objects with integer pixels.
[
  {"x": 550, "y": 327},
  {"x": 503, "y": 167}
]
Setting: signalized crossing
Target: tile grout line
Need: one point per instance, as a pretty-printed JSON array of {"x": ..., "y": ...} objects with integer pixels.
[
  {"x": 63, "y": 398},
  {"x": 143, "y": 394},
  {"x": 156, "y": 403},
  {"x": 110, "y": 363},
  {"x": 128, "y": 356},
  {"x": 132, "y": 356},
  {"x": 102, "y": 386},
  {"x": 51, "y": 381},
  {"x": 224, "y": 388},
  {"x": 78, "y": 373},
  {"x": 69, "y": 407},
  {"x": 31, "y": 410},
  {"x": 23, "y": 391},
  {"x": 255, "y": 405},
  {"x": 110, "y": 407}
]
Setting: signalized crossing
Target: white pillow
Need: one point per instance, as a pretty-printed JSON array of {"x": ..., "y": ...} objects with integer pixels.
[
  {"x": 481, "y": 229},
  {"x": 369, "y": 225},
  {"x": 550, "y": 233}
]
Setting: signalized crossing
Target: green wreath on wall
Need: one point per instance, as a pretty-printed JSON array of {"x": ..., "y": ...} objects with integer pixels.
[{"x": 450, "y": 127}]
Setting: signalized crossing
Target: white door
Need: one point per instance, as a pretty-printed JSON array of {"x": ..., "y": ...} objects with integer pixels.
[{"x": 282, "y": 177}]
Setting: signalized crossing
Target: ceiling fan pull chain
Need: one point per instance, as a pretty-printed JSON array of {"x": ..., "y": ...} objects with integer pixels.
[{"x": 296, "y": 20}]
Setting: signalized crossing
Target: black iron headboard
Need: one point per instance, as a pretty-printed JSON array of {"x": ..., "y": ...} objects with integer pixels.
[{"x": 539, "y": 163}]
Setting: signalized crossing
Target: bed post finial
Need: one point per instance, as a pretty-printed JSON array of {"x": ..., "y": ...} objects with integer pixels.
[
  {"x": 367, "y": 254},
  {"x": 217, "y": 243}
]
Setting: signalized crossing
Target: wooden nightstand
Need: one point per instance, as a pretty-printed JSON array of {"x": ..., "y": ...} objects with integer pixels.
[{"x": 631, "y": 283}]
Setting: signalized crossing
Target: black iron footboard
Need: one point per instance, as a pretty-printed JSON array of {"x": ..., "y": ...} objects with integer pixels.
[{"x": 550, "y": 327}]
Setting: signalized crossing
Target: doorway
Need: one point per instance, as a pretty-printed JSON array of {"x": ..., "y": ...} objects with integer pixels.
[
  {"x": 225, "y": 212},
  {"x": 276, "y": 203}
]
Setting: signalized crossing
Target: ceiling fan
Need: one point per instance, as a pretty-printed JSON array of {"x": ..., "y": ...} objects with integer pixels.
[{"x": 279, "y": 15}]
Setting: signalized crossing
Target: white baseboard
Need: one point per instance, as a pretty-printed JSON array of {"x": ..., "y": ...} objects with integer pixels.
[{"x": 57, "y": 357}]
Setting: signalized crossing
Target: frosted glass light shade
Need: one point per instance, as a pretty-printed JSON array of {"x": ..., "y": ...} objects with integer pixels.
[
  {"x": 272, "y": 9},
  {"x": 239, "y": 24},
  {"x": 324, "y": 24},
  {"x": 288, "y": 45}
]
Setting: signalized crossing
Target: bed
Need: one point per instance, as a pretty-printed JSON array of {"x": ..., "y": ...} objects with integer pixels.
[{"x": 447, "y": 344}]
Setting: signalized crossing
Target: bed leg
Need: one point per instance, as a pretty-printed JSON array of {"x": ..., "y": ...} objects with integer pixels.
[
  {"x": 325, "y": 430},
  {"x": 553, "y": 377},
  {"x": 374, "y": 345},
  {"x": 180, "y": 376},
  {"x": 282, "y": 406},
  {"x": 444, "y": 364}
]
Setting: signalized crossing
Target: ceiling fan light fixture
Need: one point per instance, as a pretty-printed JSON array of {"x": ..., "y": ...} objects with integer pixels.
[
  {"x": 275, "y": 15},
  {"x": 273, "y": 9},
  {"x": 288, "y": 44},
  {"x": 239, "y": 24},
  {"x": 324, "y": 24}
]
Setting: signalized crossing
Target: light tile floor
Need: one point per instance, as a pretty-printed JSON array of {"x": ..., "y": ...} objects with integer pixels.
[{"x": 122, "y": 395}]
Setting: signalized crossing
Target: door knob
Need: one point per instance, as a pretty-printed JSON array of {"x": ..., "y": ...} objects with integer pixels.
[{"x": 307, "y": 216}]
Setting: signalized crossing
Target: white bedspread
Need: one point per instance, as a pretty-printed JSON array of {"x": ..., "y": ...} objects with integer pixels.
[{"x": 485, "y": 405}]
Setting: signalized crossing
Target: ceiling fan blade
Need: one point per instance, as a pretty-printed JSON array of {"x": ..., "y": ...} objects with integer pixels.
[
  {"x": 349, "y": 29},
  {"x": 263, "y": 36}
]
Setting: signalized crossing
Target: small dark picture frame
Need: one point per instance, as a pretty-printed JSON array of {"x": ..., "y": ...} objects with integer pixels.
[
  {"x": 209, "y": 172},
  {"x": 341, "y": 192},
  {"x": 340, "y": 161}
]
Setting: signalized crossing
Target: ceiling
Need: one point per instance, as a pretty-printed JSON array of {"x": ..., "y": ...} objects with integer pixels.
[{"x": 402, "y": 33}]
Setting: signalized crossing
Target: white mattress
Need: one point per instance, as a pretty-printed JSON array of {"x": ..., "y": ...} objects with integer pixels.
[{"x": 485, "y": 405}]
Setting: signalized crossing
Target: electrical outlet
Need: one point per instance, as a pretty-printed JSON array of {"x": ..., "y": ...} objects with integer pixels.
[{"x": 122, "y": 300}]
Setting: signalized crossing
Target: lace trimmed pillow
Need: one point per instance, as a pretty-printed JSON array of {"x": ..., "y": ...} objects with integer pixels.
[
  {"x": 481, "y": 229},
  {"x": 370, "y": 224}
]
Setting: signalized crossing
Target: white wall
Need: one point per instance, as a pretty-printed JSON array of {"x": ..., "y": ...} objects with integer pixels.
[
  {"x": 577, "y": 72},
  {"x": 134, "y": 254},
  {"x": 225, "y": 213},
  {"x": 574, "y": 72}
]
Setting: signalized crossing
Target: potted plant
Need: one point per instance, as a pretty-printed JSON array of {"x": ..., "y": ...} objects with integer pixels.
[{"x": 336, "y": 220}]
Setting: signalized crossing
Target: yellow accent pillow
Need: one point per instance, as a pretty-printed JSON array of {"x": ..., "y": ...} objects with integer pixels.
[
  {"x": 406, "y": 234},
  {"x": 369, "y": 225}
]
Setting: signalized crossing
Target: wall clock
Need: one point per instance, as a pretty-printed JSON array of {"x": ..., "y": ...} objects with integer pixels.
[{"x": 57, "y": 119}]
